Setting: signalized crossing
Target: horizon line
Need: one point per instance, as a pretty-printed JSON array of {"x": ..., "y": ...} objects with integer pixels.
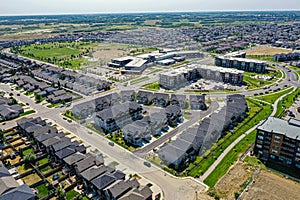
[{"x": 146, "y": 12}]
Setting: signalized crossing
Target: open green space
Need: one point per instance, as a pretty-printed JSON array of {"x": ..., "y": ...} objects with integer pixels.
[
  {"x": 272, "y": 97},
  {"x": 261, "y": 57},
  {"x": 64, "y": 54},
  {"x": 257, "y": 112},
  {"x": 230, "y": 158},
  {"x": 287, "y": 102},
  {"x": 43, "y": 161},
  {"x": 151, "y": 86},
  {"x": 71, "y": 194},
  {"x": 42, "y": 191},
  {"x": 27, "y": 151},
  {"x": 255, "y": 83}
]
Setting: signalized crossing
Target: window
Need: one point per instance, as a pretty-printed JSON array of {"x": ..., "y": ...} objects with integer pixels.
[
  {"x": 261, "y": 133},
  {"x": 258, "y": 146},
  {"x": 274, "y": 151},
  {"x": 277, "y": 137},
  {"x": 260, "y": 152},
  {"x": 260, "y": 137},
  {"x": 288, "y": 162},
  {"x": 281, "y": 159},
  {"x": 271, "y": 156}
]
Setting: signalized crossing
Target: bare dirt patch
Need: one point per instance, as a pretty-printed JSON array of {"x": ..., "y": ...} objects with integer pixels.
[
  {"x": 232, "y": 181},
  {"x": 272, "y": 186},
  {"x": 106, "y": 51},
  {"x": 267, "y": 51}
]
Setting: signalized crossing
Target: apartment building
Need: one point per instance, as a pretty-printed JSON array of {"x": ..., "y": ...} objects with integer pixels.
[
  {"x": 245, "y": 64},
  {"x": 278, "y": 140},
  {"x": 180, "y": 77}
]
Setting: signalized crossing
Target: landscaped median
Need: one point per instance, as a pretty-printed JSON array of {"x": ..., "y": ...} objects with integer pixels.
[
  {"x": 272, "y": 97},
  {"x": 151, "y": 86}
]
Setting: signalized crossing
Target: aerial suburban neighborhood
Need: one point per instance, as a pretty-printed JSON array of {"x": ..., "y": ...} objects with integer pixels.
[{"x": 150, "y": 106}]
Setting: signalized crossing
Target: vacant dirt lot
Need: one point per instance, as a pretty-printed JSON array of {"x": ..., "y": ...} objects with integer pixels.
[
  {"x": 106, "y": 51},
  {"x": 232, "y": 181},
  {"x": 270, "y": 186},
  {"x": 267, "y": 51}
]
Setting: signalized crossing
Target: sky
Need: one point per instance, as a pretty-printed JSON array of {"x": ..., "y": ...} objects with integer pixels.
[{"x": 29, "y": 7}]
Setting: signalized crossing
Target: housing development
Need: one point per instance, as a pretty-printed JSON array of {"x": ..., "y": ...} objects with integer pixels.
[{"x": 146, "y": 106}]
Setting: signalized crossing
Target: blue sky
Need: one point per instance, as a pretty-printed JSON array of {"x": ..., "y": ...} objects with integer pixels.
[{"x": 17, "y": 7}]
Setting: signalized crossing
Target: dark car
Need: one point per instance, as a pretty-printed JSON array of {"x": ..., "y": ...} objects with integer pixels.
[
  {"x": 111, "y": 143},
  {"x": 147, "y": 164},
  {"x": 27, "y": 104}
]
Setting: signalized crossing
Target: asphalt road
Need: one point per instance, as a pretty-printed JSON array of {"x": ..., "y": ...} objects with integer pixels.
[{"x": 172, "y": 187}]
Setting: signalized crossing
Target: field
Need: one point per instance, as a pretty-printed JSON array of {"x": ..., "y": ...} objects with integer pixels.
[
  {"x": 267, "y": 51},
  {"x": 70, "y": 55},
  {"x": 271, "y": 186},
  {"x": 234, "y": 180}
]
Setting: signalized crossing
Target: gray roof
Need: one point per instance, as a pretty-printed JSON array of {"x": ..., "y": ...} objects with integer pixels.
[
  {"x": 76, "y": 157},
  {"x": 289, "y": 128},
  {"x": 7, "y": 183},
  {"x": 103, "y": 181},
  {"x": 23, "y": 192},
  {"x": 3, "y": 170},
  {"x": 89, "y": 162},
  {"x": 93, "y": 172}
]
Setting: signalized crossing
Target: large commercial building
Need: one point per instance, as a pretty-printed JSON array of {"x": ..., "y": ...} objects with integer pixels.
[
  {"x": 278, "y": 140},
  {"x": 245, "y": 64},
  {"x": 179, "y": 77}
]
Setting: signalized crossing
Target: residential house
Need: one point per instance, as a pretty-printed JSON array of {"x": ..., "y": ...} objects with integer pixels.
[
  {"x": 111, "y": 119},
  {"x": 160, "y": 99},
  {"x": 128, "y": 95},
  {"x": 179, "y": 100},
  {"x": 197, "y": 102},
  {"x": 174, "y": 115},
  {"x": 144, "y": 97}
]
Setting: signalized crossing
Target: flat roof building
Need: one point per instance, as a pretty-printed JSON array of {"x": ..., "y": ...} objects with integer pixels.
[{"x": 278, "y": 140}]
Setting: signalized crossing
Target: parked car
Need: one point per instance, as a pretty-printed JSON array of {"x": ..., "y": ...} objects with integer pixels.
[
  {"x": 111, "y": 143},
  {"x": 147, "y": 164}
]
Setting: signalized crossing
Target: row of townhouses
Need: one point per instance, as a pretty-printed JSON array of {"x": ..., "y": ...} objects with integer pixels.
[
  {"x": 196, "y": 140},
  {"x": 83, "y": 110},
  {"x": 104, "y": 181}
]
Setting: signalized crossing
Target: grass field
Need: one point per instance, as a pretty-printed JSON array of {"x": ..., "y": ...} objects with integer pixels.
[
  {"x": 151, "y": 86},
  {"x": 287, "y": 102},
  {"x": 42, "y": 191},
  {"x": 69, "y": 55},
  {"x": 255, "y": 83},
  {"x": 270, "y": 51},
  {"x": 272, "y": 97}
]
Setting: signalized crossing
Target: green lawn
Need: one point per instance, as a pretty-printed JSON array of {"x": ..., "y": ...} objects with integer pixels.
[
  {"x": 46, "y": 169},
  {"x": 255, "y": 83},
  {"x": 27, "y": 113},
  {"x": 27, "y": 151},
  {"x": 266, "y": 58},
  {"x": 272, "y": 97},
  {"x": 151, "y": 86},
  {"x": 43, "y": 191},
  {"x": 71, "y": 194},
  {"x": 230, "y": 158},
  {"x": 287, "y": 102},
  {"x": 43, "y": 161},
  {"x": 65, "y": 54}
]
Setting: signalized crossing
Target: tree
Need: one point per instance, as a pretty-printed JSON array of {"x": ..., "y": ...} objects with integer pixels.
[
  {"x": 38, "y": 98},
  {"x": 2, "y": 138},
  {"x": 29, "y": 158},
  {"x": 60, "y": 193}
]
